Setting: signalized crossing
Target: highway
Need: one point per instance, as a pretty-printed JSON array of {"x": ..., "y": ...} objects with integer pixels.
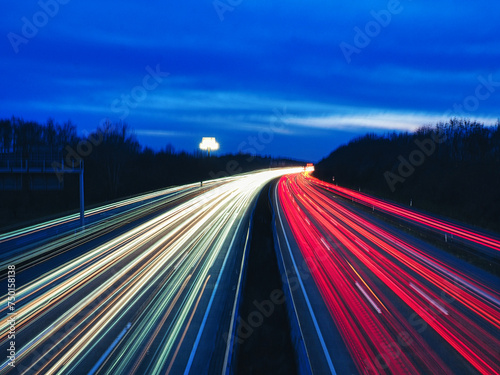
[
  {"x": 486, "y": 243},
  {"x": 370, "y": 298},
  {"x": 20, "y": 245},
  {"x": 150, "y": 285},
  {"x": 147, "y": 287}
]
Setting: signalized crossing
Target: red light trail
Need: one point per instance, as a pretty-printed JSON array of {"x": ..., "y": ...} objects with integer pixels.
[{"x": 366, "y": 273}]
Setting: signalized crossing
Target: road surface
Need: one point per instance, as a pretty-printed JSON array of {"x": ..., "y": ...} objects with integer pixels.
[
  {"x": 370, "y": 298},
  {"x": 146, "y": 290}
]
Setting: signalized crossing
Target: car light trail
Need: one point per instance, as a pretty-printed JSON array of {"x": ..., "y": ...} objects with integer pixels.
[
  {"x": 96, "y": 211},
  {"x": 367, "y": 277},
  {"x": 154, "y": 275},
  {"x": 404, "y": 213}
]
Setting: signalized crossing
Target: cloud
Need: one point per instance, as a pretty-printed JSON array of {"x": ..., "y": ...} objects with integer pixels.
[
  {"x": 230, "y": 76},
  {"x": 161, "y": 133}
]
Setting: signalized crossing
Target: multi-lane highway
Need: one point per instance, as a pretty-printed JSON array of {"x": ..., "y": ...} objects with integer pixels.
[
  {"x": 151, "y": 285},
  {"x": 369, "y": 298},
  {"x": 147, "y": 287}
]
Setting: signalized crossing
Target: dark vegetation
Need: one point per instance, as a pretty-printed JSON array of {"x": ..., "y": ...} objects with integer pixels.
[
  {"x": 116, "y": 166},
  {"x": 451, "y": 169}
]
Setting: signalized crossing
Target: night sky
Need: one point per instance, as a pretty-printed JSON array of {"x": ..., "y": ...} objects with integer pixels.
[{"x": 281, "y": 78}]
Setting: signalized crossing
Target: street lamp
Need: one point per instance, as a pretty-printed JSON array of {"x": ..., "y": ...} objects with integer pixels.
[{"x": 209, "y": 144}]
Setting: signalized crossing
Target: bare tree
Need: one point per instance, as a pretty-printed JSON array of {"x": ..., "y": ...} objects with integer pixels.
[
  {"x": 5, "y": 135},
  {"x": 118, "y": 146}
]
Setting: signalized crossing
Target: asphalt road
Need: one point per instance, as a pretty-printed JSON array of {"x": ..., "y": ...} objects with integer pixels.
[
  {"x": 147, "y": 289},
  {"x": 151, "y": 285},
  {"x": 369, "y": 298}
]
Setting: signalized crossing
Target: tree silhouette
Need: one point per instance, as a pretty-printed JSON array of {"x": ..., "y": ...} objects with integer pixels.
[{"x": 459, "y": 178}]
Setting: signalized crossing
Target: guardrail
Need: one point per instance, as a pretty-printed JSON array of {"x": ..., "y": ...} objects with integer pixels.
[{"x": 304, "y": 365}]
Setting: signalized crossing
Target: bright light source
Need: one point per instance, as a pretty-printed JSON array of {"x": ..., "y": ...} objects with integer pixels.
[
  {"x": 309, "y": 167},
  {"x": 209, "y": 143}
]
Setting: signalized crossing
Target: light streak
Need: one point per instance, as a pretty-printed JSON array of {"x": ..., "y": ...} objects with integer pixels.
[
  {"x": 367, "y": 257},
  {"x": 150, "y": 274}
]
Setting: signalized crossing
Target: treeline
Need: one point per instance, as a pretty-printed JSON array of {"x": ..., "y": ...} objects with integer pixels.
[
  {"x": 452, "y": 169},
  {"x": 116, "y": 165},
  {"x": 20, "y": 136}
]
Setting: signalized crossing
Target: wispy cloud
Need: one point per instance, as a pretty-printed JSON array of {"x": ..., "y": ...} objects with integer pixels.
[
  {"x": 229, "y": 77},
  {"x": 377, "y": 121},
  {"x": 161, "y": 133}
]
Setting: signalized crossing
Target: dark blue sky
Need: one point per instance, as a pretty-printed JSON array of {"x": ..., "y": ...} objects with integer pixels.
[{"x": 288, "y": 78}]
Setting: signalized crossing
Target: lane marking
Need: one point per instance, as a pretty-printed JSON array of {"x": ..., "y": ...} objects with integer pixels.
[
  {"x": 209, "y": 307},
  {"x": 428, "y": 298},
  {"x": 362, "y": 245},
  {"x": 159, "y": 327},
  {"x": 187, "y": 326},
  {"x": 366, "y": 285},
  {"x": 313, "y": 316},
  {"x": 325, "y": 244},
  {"x": 367, "y": 296},
  {"x": 110, "y": 349},
  {"x": 230, "y": 341}
]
